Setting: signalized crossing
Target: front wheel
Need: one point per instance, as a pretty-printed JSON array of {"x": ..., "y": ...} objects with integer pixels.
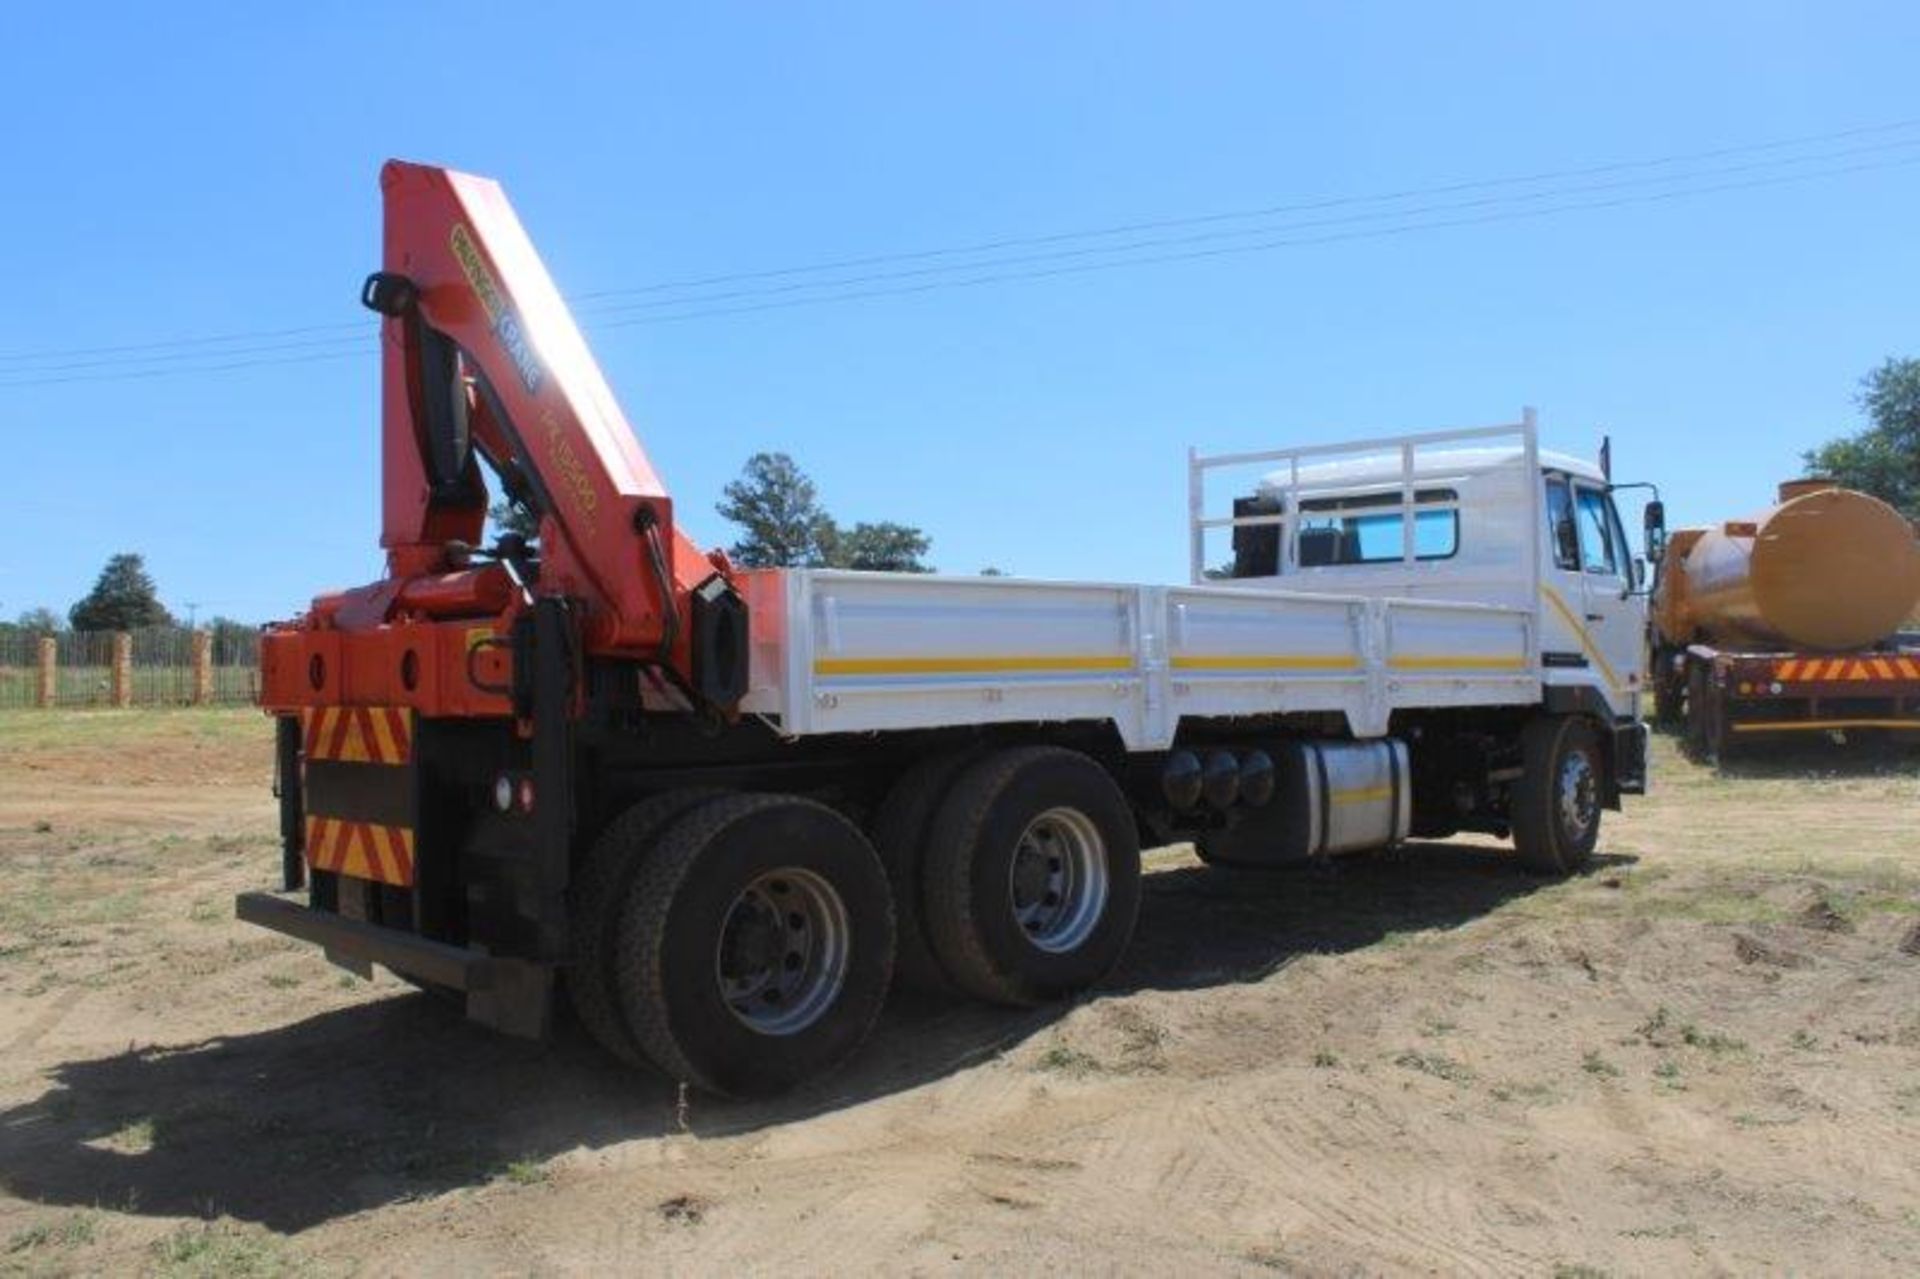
[
  {"x": 1556, "y": 802},
  {"x": 756, "y": 945}
]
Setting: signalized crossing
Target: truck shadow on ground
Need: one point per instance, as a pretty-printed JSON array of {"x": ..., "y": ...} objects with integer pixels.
[{"x": 399, "y": 1098}]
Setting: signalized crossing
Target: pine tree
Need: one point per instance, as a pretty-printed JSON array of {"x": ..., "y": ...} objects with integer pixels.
[{"x": 123, "y": 599}]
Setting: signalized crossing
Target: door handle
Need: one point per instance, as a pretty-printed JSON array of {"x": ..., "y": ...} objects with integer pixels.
[{"x": 1596, "y": 617}]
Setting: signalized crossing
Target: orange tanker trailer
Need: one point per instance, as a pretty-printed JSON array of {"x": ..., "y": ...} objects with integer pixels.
[{"x": 1788, "y": 621}]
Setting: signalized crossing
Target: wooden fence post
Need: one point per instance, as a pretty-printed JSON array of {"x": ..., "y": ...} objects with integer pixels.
[
  {"x": 49, "y": 679},
  {"x": 122, "y": 669},
  {"x": 202, "y": 667}
]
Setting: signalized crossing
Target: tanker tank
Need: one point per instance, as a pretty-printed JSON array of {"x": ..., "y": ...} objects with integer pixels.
[{"x": 1828, "y": 569}]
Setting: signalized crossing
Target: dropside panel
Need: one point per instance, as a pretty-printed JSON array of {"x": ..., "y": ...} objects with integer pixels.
[{"x": 864, "y": 652}]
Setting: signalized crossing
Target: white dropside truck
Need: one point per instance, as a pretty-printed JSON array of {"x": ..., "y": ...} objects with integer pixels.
[{"x": 1399, "y": 638}]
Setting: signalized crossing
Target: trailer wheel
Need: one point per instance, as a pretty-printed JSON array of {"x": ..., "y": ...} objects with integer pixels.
[
  {"x": 598, "y": 895},
  {"x": 1706, "y": 715},
  {"x": 1032, "y": 876},
  {"x": 756, "y": 944},
  {"x": 1669, "y": 692},
  {"x": 1556, "y": 801},
  {"x": 900, "y": 832}
]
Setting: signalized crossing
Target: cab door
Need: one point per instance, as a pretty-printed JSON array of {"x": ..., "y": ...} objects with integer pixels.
[{"x": 1613, "y": 616}]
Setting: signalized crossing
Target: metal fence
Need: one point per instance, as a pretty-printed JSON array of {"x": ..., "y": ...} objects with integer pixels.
[{"x": 157, "y": 666}]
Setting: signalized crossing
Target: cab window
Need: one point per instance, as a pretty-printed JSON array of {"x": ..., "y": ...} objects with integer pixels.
[
  {"x": 1600, "y": 549},
  {"x": 1372, "y": 529},
  {"x": 1566, "y": 541}
]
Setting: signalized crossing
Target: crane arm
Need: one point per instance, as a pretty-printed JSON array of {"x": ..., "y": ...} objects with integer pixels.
[
  {"x": 483, "y": 368},
  {"x": 482, "y": 360}
]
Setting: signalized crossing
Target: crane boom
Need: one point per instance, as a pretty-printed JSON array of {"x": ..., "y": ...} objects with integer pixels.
[{"x": 483, "y": 369}]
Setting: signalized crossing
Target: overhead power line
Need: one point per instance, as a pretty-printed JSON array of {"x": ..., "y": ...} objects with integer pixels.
[
  {"x": 184, "y": 356},
  {"x": 356, "y": 341},
  {"x": 1678, "y": 158},
  {"x": 1273, "y": 210},
  {"x": 1129, "y": 246},
  {"x": 1262, "y": 247}
]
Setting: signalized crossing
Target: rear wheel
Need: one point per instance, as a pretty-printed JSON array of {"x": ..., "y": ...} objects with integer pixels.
[
  {"x": 1556, "y": 801},
  {"x": 1032, "y": 876},
  {"x": 900, "y": 832},
  {"x": 598, "y": 896},
  {"x": 756, "y": 944}
]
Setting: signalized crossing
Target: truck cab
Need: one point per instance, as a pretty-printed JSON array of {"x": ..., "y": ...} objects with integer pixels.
[{"x": 1482, "y": 523}]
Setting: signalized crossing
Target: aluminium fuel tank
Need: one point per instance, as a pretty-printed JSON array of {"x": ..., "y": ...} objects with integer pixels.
[{"x": 1827, "y": 569}]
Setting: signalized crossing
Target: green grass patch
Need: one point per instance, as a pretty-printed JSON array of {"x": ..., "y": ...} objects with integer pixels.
[
  {"x": 1594, "y": 1064},
  {"x": 71, "y": 1231},
  {"x": 1710, "y": 1040},
  {"x": 23, "y": 732},
  {"x": 1439, "y": 1065},
  {"x": 1065, "y": 1060},
  {"x": 223, "y": 1250},
  {"x": 526, "y": 1172}
]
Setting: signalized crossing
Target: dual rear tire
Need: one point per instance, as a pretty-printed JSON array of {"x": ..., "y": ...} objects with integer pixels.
[
  {"x": 1030, "y": 877},
  {"x": 745, "y": 942},
  {"x": 740, "y": 943}
]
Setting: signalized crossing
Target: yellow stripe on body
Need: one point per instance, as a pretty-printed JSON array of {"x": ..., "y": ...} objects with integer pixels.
[
  {"x": 969, "y": 665},
  {"x": 1265, "y": 662},
  {"x": 1464, "y": 662},
  {"x": 1587, "y": 645},
  {"x": 1362, "y": 795},
  {"x": 1820, "y": 725}
]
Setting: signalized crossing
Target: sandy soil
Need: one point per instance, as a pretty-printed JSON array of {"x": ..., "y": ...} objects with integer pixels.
[{"x": 1702, "y": 1056}]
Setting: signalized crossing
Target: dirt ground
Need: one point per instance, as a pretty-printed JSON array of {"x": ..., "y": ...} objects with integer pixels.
[{"x": 1702, "y": 1056}]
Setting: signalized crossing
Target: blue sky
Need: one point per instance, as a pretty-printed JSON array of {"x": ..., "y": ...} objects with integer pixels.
[{"x": 206, "y": 170}]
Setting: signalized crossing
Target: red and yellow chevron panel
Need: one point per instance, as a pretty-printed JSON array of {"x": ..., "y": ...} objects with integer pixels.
[
  {"x": 1833, "y": 670},
  {"x": 359, "y": 734},
  {"x": 363, "y": 850}
]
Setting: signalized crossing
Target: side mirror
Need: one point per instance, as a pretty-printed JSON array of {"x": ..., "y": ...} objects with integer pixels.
[{"x": 1654, "y": 520}]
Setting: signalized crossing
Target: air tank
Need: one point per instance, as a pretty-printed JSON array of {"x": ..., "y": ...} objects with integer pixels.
[{"x": 1826, "y": 569}]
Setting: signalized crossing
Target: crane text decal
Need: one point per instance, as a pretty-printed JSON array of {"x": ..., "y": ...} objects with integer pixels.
[
  {"x": 586, "y": 502},
  {"x": 506, "y": 325}
]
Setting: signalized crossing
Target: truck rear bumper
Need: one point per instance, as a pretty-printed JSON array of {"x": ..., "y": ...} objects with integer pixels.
[
  {"x": 363, "y": 943},
  {"x": 511, "y": 995}
]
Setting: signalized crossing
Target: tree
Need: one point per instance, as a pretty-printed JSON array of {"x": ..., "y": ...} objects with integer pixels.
[
  {"x": 122, "y": 599},
  {"x": 234, "y": 642},
  {"x": 882, "y": 548},
  {"x": 511, "y": 517},
  {"x": 784, "y": 526},
  {"x": 39, "y": 621},
  {"x": 778, "y": 509},
  {"x": 1883, "y": 459}
]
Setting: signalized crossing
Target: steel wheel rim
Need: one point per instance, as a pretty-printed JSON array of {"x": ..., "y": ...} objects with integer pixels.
[
  {"x": 1578, "y": 794},
  {"x": 782, "y": 956},
  {"x": 1058, "y": 882}
]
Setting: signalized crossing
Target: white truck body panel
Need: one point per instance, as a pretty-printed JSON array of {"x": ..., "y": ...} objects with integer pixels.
[
  {"x": 866, "y": 652},
  {"x": 847, "y": 652}
]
